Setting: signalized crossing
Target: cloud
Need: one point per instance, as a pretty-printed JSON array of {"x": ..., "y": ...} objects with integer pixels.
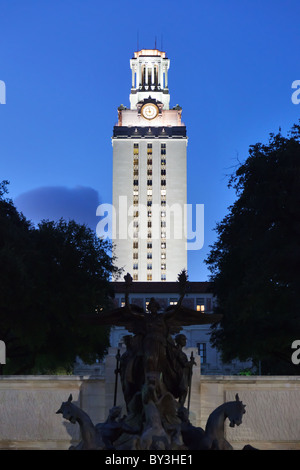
[{"x": 52, "y": 203}]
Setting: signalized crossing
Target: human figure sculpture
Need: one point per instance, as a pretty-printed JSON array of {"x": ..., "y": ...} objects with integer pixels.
[
  {"x": 131, "y": 369},
  {"x": 184, "y": 370}
]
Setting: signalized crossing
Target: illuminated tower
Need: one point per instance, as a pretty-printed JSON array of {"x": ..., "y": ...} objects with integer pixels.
[{"x": 149, "y": 175}]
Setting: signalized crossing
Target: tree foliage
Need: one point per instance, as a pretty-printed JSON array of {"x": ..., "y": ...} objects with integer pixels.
[
  {"x": 51, "y": 276},
  {"x": 255, "y": 262}
]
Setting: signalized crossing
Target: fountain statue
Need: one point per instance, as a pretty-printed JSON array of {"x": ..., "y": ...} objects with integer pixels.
[{"x": 156, "y": 379}]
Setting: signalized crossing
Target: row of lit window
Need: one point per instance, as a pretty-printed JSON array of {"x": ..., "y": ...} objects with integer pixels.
[
  {"x": 149, "y": 255},
  {"x": 200, "y": 303},
  {"x": 149, "y": 149},
  {"x": 135, "y": 245},
  {"x": 149, "y": 266},
  {"x": 149, "y": 171},
  {"x": 163, "y": 213},
  {"x": 149, "y": 204},
  {"x": 163, "y": 277},
  {"x": 135, "y": 202}
]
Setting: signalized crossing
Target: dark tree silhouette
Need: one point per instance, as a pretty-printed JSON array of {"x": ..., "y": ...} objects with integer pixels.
[
  {"x": 50, "y": 276},
  {"x": 256, "y": 258}
]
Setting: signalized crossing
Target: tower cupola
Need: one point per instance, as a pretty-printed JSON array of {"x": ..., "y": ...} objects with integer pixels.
[{"x": 149, "y": 77}]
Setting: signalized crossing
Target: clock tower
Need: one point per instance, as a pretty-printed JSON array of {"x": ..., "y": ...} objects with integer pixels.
[{"x": 149, "y": 175}]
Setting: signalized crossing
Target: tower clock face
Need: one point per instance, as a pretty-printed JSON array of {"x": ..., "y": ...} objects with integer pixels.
[{"x": 149, "y": 111}]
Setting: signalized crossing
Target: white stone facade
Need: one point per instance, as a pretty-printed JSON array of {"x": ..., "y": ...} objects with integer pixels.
[
  {"x": 150, "y": 177},
  {"x": 28, "y": 406}
]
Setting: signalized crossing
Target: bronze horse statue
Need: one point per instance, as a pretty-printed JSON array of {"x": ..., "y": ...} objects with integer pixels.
[
  {"x": 101, "y": 436},
  {"x": 90, "y": 438},
  {"x": 212, "y": 438}
]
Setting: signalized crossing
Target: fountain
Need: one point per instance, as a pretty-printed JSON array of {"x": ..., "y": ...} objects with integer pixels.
[{"x": 156, "y": 377}]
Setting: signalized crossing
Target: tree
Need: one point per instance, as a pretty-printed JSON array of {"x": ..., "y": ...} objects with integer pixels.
[
  {"x": 52, "y": 275},
  {"x": 255, "y": 261}
]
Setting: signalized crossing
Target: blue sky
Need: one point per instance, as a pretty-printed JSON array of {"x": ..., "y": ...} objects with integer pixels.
[{"x": 65, "y": 64}]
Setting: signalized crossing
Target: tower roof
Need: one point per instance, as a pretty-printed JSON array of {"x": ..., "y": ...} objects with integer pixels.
[{"x": 149, "y": 53}]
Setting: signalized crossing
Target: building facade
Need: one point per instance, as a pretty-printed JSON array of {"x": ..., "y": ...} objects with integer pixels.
[
  {"x": 199, "y": 297},
  {"x": 149, "y": 176}
]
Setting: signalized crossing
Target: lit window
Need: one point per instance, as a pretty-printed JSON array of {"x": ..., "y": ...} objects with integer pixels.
[
  {"x": 163, "y": 267},
  {"x": 163, "y": 256},
  {"x": 163, "y": 162},
  {"x": 163, "y": 235},
  {"x": 149, "y": 278},
  {"x": 135, "y": 277},
  {"x": 149, "y": 192},
  {"x": 122, "y": 302},
  {"x": 173, "y": 301},
  {"x": 200, "y": 305},
  {"x": 163, "y": 245},
  {"x": 149, "y": 149},
  {"x": 135, "y": 149},
  {"x": 135, "y": 192},
  {"x": 149, "y": 213},
  {"x": 163, "y": 192},
  {"x": 135, "y": 161}
]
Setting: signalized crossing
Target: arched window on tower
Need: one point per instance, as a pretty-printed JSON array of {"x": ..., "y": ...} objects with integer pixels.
[
  {"x": 149, "y": 76},
  {"x": 143, "y": 75},
  {"x": 156, "y": 76}
]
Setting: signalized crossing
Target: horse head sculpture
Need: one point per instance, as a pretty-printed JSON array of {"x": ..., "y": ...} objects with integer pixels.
[
  {"x": 68, "y": 410},
  {"x": 236, "y": 410}
]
